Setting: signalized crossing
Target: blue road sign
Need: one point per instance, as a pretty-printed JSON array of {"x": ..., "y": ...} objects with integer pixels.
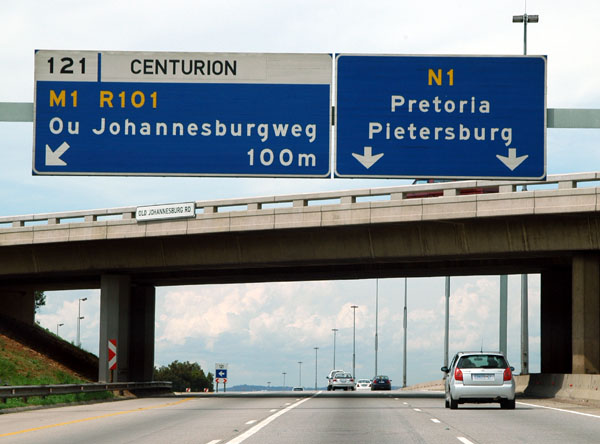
[
  {"x": 221, "y": 373},
  {"x": 441, "y": 117},
  {"x": 186, "y": 114}
]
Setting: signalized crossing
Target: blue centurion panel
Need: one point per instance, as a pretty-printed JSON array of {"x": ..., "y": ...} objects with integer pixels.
[
  {"x": 182, "y": 114},
  {"x": 441, "y": 117}
]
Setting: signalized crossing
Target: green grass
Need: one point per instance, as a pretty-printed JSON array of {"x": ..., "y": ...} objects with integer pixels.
[
  {"x": 55, "y": 399},
  {"x": 19, "y": 367}
]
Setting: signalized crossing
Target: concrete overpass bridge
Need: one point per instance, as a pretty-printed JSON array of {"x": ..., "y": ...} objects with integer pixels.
[{"x": 441, "y": 229}]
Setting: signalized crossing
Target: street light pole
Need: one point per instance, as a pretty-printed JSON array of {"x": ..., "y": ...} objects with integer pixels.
[
  {"x": 447, "y": 322},
  {"x": 525, "y": 19},
  {"x": 376, "y": 321},
  {"x": 284, "y": 373},
  {"x": 405, "y": 333},
  {"x": 316, "y": 360},
  {"x": 79, "y": 318},
  {"x": 524, "y": 278},
  {"x": 300, "y": 374},
  {"x": 354, "y": 307},
  {"x": 334, "y": 330},
  {"x": 58, "y": 325}
]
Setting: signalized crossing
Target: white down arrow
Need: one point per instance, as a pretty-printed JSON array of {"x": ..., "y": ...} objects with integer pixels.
[
  {"x": 512, "y": 161},
  {"x": 367, "y": 159}
]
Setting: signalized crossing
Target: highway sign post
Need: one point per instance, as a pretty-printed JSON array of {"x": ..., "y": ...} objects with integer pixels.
[
  {"x": 441, "y": 117},
  {"x": 182, "y": 114},
  {"x": 221, "y": 375}
]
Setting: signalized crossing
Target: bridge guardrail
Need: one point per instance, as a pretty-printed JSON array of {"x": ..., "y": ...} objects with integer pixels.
[
  {"x": 26, "y": 391},
  {"x": 344, "y": 197}
]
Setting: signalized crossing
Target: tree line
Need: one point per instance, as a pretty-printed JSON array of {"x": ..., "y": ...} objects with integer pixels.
[{"x": 185, "y": 375}]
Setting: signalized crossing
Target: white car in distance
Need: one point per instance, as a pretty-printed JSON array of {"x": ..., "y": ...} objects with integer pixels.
[{"x": 363, "y": 384}]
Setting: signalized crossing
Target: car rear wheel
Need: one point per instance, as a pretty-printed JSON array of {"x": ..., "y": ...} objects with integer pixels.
[
  {"x": 453, "y": 404},
  {"x": 508, "y": 404}
]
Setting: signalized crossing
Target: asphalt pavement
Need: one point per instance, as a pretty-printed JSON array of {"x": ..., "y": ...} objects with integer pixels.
[{"x": 312, "y": 417}]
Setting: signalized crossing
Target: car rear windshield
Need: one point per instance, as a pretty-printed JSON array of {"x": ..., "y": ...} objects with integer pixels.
[
  {"x": 482, "y": 361},
  {"x": 343, "y": 375}
]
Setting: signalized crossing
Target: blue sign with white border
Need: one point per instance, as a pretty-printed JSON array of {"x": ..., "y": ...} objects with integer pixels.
[
  {"x": 441, "y": 116},
  {"x": 182, "y": 114}
]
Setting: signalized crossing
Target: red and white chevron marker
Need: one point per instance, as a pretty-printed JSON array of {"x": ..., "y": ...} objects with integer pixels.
[{"x": 112, "y": 354}]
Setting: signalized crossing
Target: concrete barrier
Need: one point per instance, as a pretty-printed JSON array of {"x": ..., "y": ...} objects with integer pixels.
[{"x": 562, "y": 386}]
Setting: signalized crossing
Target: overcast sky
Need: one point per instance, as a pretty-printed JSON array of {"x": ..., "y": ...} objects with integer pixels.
[{"x": 262, "y": 330}]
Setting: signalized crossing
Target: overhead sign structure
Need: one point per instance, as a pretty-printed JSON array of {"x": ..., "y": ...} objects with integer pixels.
[
  {"x": 441, "y": 117},
  {"x": 182, "y": 114}
]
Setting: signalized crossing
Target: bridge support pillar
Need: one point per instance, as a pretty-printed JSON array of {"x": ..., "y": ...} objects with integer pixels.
[
  {"x": 555, "y": 313},
  {"x": 127, "y": 316},
  {"x": 141, "y": 359},
  {"x": 114, "y": 325},
  {"x": 586, "y": 314},
  {"x": 18, "y": 304}
]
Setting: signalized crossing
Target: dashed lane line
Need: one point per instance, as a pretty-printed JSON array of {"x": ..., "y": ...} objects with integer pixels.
[{"x": 248, "y": 433}]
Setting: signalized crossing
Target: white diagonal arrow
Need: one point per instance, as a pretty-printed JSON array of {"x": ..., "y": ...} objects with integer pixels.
[
  {"x": 367, "y": 159},
  {"x": 53, "y": 157},
  {"x": 512, "y": 161}
]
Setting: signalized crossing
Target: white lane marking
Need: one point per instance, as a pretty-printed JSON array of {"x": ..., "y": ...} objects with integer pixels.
[
  {"x": 287, "y": 403},
  {"x": 559, "y": 410},
  {"x": 417, "y": 410},
  {"x": 405, "y": 403},
  {"x": 437, "y": 421},
  {"x": 272, "y": 410},
  {"x": 248, "y": 433},
  {"x": 214, "y": 441},
  {"x": 464, "y": 440},
  {"x": 252, "y": 421}
]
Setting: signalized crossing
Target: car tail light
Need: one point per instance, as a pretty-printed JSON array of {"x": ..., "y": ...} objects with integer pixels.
[
  {"x": 507, "y": 374},
  {"x": 458, "y": 375},
  {"x": 351, "y": 379},
  {"x": 335, "y": 380}
]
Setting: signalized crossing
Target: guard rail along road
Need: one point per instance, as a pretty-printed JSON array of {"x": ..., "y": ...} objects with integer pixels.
[{"x": 26, "y": 391}]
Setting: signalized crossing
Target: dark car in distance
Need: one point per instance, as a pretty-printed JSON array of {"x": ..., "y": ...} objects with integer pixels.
[{"x": 381, "y": 382}]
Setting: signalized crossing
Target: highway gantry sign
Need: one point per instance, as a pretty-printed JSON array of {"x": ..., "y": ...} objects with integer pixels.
[
  {"x": 185, "y": 114},
  {"x": 441, "y": 116}
]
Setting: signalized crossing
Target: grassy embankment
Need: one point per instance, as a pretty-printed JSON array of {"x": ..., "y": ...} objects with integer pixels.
[{"x": 21, "y": 365}]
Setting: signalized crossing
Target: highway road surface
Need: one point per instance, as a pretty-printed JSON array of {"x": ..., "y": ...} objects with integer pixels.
[{"x": 312, "y": 417}]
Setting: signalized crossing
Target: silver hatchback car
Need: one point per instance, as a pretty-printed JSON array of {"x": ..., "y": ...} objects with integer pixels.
[
  {"x": 342, "y": 380},
  {"x": 479, "y": 377}
]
